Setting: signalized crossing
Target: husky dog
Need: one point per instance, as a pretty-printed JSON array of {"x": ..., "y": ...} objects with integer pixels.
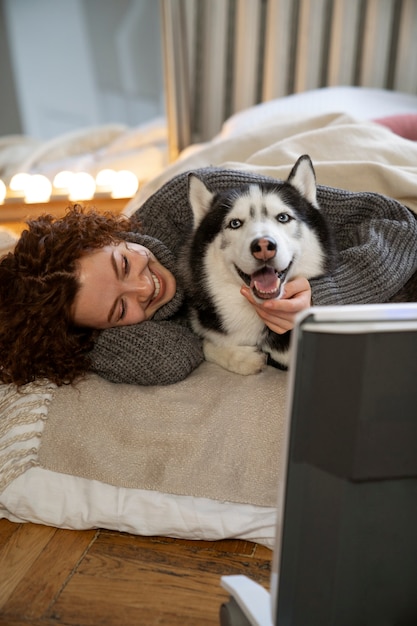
[{"x": 259, "y": 234}]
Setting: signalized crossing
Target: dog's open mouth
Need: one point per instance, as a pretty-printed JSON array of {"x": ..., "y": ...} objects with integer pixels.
[{"x": 265, "y": 282}]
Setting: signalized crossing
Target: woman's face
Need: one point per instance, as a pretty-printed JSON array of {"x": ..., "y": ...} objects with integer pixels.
[{"x": 120, "y": 284}]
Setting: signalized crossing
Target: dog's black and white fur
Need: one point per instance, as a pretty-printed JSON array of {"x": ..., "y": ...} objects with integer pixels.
[{"x": 260, "y": 234}]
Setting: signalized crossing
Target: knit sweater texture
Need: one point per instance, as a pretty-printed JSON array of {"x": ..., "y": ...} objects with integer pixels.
[{"x": 376, "y": 239}]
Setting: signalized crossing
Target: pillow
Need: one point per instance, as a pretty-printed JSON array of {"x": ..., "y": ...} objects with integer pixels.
[
  {"x": 146, "y": 460},
  {"x": 404, "y": 125}
]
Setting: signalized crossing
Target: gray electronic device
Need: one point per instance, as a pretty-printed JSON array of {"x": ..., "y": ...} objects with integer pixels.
[{"x": 346, "y": 545}]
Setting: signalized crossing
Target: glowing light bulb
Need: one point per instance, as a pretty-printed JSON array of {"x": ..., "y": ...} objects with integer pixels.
[
  {"x": 62, "y": 180},
  {"x": 19, "y": 181},
  {"x": 2, "y": 191},
  {"x": 104, "y": 183},
  {"x": 82, "y": 186},
  {"x": 105, "y": 179},
  {"x": 17, "y": 185},
  {"x": 125, "y": 184},
  {"x": 38, "y": 189}
]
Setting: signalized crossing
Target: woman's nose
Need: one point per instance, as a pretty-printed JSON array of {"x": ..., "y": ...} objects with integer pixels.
[{"x": 142, "y": 286}]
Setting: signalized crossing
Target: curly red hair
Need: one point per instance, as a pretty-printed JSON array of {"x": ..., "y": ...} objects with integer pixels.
[{"x": 38, "y": 284}]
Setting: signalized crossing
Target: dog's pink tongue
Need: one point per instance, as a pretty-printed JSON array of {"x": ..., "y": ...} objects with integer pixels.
[{"x": 265, "y": 283}]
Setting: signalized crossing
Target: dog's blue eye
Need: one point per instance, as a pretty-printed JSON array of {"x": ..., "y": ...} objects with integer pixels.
[
  {"x": 235, "y": 223},
  {"x": 284, "y": 218}
]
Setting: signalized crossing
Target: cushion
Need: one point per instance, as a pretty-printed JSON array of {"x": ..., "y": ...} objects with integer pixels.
[
  {"x": 404, "y": 125},
  {"x": 149, "y": 460}
]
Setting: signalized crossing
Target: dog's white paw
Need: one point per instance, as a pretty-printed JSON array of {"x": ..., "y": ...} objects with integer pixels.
[{"x": 245, "y": 360}]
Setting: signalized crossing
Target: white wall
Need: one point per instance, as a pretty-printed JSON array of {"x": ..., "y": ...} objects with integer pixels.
[
  {"x": 9, "y": 114},
  {"x": 79, "y": 63}
]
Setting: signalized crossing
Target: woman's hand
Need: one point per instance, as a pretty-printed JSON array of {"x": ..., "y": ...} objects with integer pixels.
[{"x": 279, "y": 315}]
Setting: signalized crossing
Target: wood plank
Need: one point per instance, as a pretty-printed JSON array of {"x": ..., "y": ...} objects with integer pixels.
[
  {"x": 135, "y": 580},
  {"x": 48, "y": 574},
  {"x": 231, "y": 546},
  {"x": 156, "y": 596},
  {"x": 8, "y": 621},
  {"x": 6, "y": 531},
  {"x": 187, "y": 554},
  {"x": 18, "y": 554}
]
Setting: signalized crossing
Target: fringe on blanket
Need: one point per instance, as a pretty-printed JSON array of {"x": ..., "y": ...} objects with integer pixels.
[{"x": 23, "y": 413}]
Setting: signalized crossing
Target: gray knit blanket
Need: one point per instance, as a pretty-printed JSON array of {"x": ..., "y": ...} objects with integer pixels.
[{"x": 376, "y": 238}]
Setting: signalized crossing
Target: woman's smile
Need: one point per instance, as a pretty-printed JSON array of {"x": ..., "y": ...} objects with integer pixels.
[
  {"x": 120, "y": 284},
  {"x": 157, "y": 286}
]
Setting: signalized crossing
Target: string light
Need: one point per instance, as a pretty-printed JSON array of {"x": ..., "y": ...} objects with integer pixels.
[
  {"x": 125, "y": 184},
  {"x": 82, "y": 186},
  {"x": 38, "y": 188},
  {"x": 61, "y": 183},
  {"x": 105, "y": 181},
  {"x": 74, "y": 186},
  {"x": 17, "y": 186}
]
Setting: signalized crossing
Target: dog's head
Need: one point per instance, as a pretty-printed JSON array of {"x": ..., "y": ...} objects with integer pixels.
[{"x": 263, "y": 233}]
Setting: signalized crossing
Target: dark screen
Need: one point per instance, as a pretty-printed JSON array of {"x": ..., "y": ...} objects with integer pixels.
[{"x": 349, "y": 545}]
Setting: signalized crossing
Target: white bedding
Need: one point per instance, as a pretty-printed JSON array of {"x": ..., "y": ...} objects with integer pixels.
[
  {"x": 358, "y": 102},
  {"x": 142, "y": 150},
  {"x": 64, "y": 501},
  {"x": 372, "y": 158}
]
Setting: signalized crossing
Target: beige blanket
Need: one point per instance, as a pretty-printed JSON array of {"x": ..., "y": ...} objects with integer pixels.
[
  {"x": 216, "y": 434},
  {"x": 348, "y": 154}
]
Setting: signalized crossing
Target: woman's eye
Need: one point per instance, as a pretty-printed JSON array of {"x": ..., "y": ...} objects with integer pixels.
[
  {"x": 235, "y": 223},
  {"x": 125, "y": 265},
  {"x": 122, "y": 314}
]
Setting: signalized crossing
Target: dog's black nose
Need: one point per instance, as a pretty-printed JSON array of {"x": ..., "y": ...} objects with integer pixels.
[{"x": 263, "y": 248}]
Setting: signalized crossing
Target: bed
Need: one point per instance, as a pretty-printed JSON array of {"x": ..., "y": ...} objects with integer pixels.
[{"x": 154, "y": 461}]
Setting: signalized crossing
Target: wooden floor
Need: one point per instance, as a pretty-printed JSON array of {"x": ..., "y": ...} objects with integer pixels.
[{"x": 51, "y": 576}]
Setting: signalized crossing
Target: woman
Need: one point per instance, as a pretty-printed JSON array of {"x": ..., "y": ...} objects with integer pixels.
[
  {"x": 98, "y": 292},
  {"x": 90, "y": 291}
]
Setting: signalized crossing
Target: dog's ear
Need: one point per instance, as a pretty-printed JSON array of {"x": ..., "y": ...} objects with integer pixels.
[
  {"x": 199, "y": 197},
  {"x": 303, "y": 178}
]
